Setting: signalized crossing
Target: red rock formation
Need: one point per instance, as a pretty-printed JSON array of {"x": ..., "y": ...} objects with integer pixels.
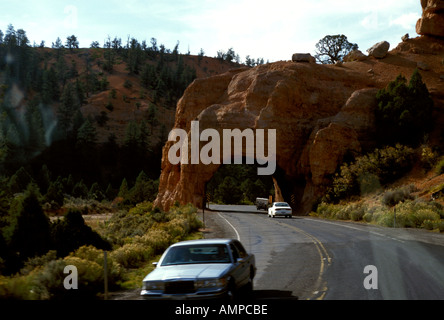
[
  {"x": 294, "y": 99},
  {"x": 432, "y": 20},
  {"x": 320, "y": 113}
]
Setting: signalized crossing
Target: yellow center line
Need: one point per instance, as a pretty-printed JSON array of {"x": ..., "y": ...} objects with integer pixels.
[{"x": 321, "y": 286}]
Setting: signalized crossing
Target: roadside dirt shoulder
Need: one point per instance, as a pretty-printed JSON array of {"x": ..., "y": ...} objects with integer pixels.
[{"x": 213, "y": 226}]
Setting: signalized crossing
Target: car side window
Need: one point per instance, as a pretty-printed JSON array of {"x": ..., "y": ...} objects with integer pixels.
[
  {"x": 234, "y": 251},
  {"x": 240, "y": 249}
]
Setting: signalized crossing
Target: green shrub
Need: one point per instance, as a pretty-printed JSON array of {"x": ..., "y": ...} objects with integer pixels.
[
  {"x": 343, "y": 214},
  {"x": 357, "y": 213},
  {"x": 428, "y": 157},
  {"x": 404, "y": 111},
  {"x": 439, "y": 224},
  {"x": 393, "y": 197},
  {"x": 369, "y": 172},
  {"x": 412, "y": 214},
  {"x": 157, "y": 239},
  {"x": 47, "y": 281},
  {"x": 434, "y": 225},
  {"x": 71, "y": 232},
  {"x": 428, "y": 224},
  {"x": 18, "y": 288},
  {"x": 37, "y": 262},
  {"x": 440, "y": 167},
  {"x": 383, "y": 218},
  {"x": 132, "y": 255},
  {"x": 93, "y": 254},
  {"x": 327, "y": 210},
  {"x": 368, "y": 216}
]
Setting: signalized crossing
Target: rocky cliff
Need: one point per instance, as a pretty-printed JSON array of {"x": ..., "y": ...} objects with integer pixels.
[
  {"x": 320, "y": 112},
  {"x": 432, "y": 20}
]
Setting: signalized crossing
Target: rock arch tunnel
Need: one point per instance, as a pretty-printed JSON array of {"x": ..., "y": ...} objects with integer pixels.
[{"x": 319, "y": 114}]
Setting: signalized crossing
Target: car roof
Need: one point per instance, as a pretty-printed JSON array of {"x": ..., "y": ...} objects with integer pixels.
[{"x": 202, "y": 241}]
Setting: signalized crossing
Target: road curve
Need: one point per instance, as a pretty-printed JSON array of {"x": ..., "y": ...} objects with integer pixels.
[{"x": 310, "y": 258}]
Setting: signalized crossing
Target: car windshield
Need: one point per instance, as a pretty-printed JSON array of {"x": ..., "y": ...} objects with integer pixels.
[
  {"x": 193, "y": 254},
  {"x": 281, "y": 204}
]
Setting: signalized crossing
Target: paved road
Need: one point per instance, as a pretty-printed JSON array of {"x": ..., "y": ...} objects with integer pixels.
[{"x": 309, "y": 258}]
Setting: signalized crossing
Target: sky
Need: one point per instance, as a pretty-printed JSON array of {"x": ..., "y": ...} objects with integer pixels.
[{"x": 272, "y": 30}]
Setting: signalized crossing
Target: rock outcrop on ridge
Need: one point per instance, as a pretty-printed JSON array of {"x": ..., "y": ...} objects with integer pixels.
[
  {"x": 432, "y": 20},
  {"x": 321, "y": 113}
]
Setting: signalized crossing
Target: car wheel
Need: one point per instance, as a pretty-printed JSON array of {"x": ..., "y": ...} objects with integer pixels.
[
  {"x": 250, "y": 281},
  {"x": 231, "y": 292}
]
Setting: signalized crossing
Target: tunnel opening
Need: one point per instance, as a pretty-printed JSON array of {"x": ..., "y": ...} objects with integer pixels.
[
  {"x": 205, "y": 171},
  {"x": 238, "y": 184}
]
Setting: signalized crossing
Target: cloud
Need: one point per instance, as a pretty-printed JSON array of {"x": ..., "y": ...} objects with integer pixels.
[
  {"x": 371, "y": 21},
  {"x": 406, "y": 21}
]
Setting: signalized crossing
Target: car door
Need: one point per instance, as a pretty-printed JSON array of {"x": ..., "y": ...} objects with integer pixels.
[{"x": 242, "y": 268}]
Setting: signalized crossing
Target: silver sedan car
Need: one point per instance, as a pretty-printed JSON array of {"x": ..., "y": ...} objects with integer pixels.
[{"x": 200, "y": 269}]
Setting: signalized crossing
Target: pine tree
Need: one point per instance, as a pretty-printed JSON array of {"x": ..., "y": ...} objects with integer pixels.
[
  {"x": 44, "y": 179},
  {"x": 55, "y": 195},
  {"x": 132, "y": 134},
  {"x": 86, "y": 135},
  {"x": 144, "y": 135},
  {"x": 110, "y": 193},
  {"x": 19, "y": 180},
  {"x": 80, "y": 190},
  {"x": 123, "y": 190},
  {"x": 58, "y": 44},
  {"x": 152, "y": 116},
  {"x": 35, "y": 126},
  {"x": 50, "y": 87},
  {"x": 29, "y": 231},
  {"x": 69, "y": 106},
  {"x": 72, "y": 43},
  {"x": 404, "y": 111},
  {"x": 333, "y": 48},
  {"x": 96, "y": 192}
]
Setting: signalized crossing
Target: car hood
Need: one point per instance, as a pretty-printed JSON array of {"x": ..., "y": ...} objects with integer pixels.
[{"x": 190, "y": 271}]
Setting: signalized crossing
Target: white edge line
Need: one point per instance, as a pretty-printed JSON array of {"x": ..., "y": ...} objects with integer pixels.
[{"x": 237, "y": 233}]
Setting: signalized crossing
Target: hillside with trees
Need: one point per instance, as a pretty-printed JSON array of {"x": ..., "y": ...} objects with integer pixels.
[
  {"x": 91, "y": 116},
  {"x": 82, "y": 131}
]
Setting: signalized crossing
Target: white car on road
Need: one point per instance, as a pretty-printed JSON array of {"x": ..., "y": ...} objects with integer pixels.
[{"x": 280, "y": 209}]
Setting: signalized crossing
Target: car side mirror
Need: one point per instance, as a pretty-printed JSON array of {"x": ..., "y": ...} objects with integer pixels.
[
  {"x": 155, "y": 264},
  {"x": 240, "y": 260}
]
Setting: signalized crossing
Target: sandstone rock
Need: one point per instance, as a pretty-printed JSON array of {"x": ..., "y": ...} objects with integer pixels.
[
  {"x": 328, "y": 148},
  {"x": 355, "y": 55},
  {"x": 320, "y": 113},
  {"x": 351, "y": 131},
  {"x": 432, "y": 20},
  {"x": 379, "y": 50},
  {"x": 358, "y": 114},
  {"x": 405, "y": 37},
  {"x": 303, "y": 57},
  {"x": 423, "y": 66},
  {"x": 297, "y": 99}
]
